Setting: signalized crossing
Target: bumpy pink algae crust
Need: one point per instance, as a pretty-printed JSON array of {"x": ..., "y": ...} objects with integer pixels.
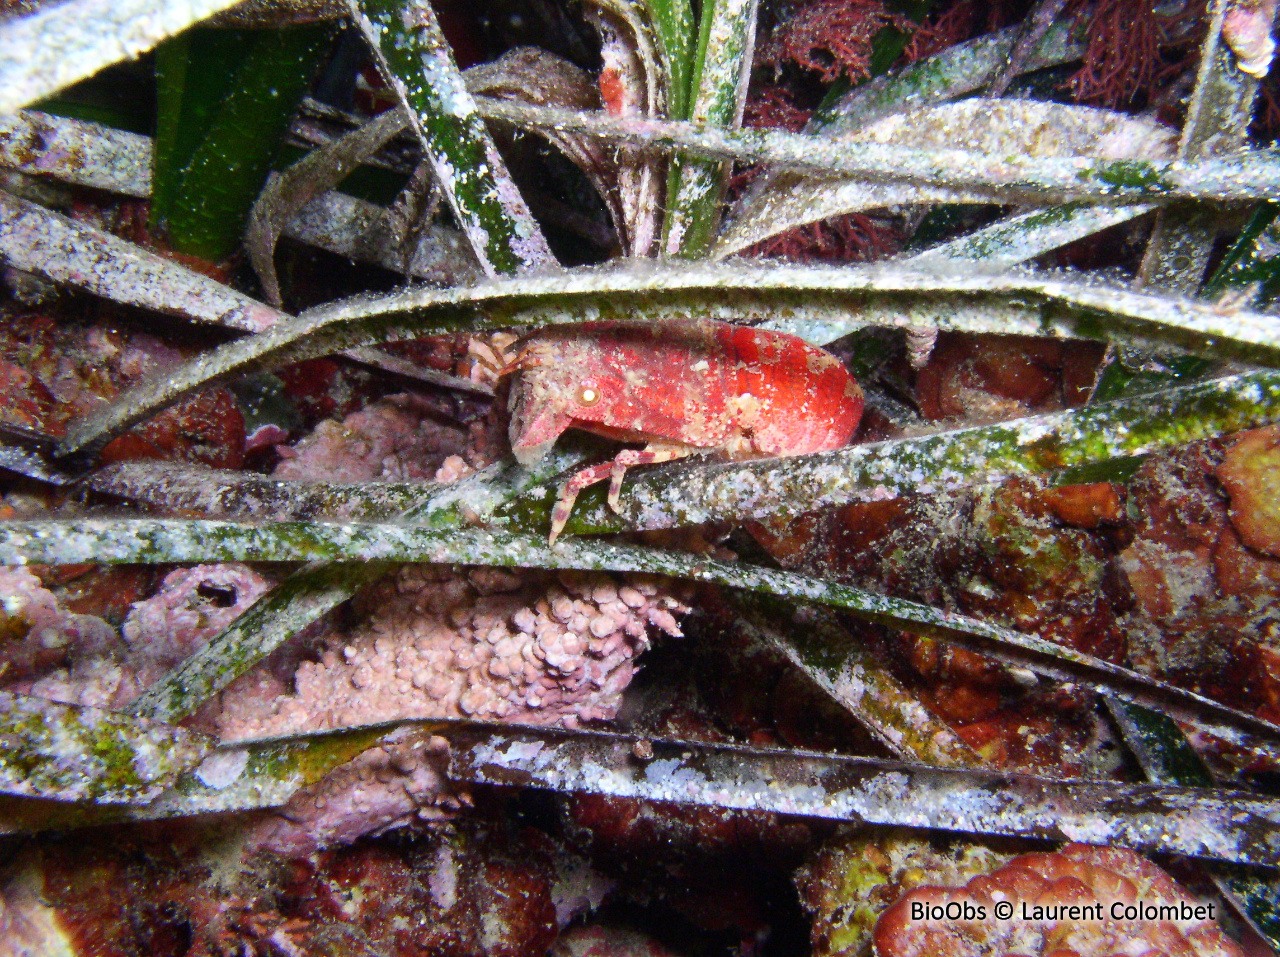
[
  {"x": 36, "y": 631},
  {"x": 482, "y": 643},
  {"x": 441, "y": 641},
  {"x": 433, "y": 641},
  {"x": 191, "y": 606},
  {"x": 394, "y": 439},
  {"x": 395, "y": 784}
]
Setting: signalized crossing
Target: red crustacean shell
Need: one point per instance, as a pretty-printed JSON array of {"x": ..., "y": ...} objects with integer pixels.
[
  {"x": 735, "y": 390},
  {"x": 807, "y": 399}
]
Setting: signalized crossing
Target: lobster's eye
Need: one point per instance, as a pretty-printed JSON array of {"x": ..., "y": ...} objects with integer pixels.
[{"x": 588, "y": 394}]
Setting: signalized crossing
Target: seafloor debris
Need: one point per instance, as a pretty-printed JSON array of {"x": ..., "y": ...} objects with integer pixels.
[{"x": 1082, "y": 901}]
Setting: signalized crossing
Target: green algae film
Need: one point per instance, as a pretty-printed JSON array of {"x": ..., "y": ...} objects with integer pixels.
[{"x": 72, "y": 753}]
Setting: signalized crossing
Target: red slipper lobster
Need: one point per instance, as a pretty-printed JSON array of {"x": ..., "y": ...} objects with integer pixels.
[{"x": 680, "y": 387}]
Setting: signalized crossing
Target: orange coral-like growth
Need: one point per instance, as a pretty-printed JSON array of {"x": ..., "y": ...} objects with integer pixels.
[
  {"x": 951, "y": 26},
  {"x": 1130, "y": 906},
  {"x": 1123, "y": 59},
  {"x": 1251, "y": 475},
  {"x": 831, "y": 37},
  {"x": 850, "y": 238}
]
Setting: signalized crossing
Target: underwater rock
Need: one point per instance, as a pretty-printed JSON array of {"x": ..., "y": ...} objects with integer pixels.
[
  {"x": 1126, "y": 905},
  {"x": 1250, "y": 472}
]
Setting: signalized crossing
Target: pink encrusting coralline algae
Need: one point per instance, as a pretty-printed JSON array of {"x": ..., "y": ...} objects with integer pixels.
[
  {"x": 191, "y": 606},
  {"x": 444, "y": 641},
  {"x": 441, "y": 641},
  {"x": 38, "y": 632},
  {"x": 429, "y": 641},
  {"x": 393, "y": 439}
]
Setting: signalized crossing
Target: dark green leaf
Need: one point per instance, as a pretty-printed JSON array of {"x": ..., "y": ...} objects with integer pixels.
[
  {"x": 1254, "y": 258},
  {"x": 224, "y": 100}
]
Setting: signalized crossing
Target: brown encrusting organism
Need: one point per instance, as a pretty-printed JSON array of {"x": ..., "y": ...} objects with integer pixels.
[
  {"x": 465, "y": 889},
  {"x": 1206, "y": 613},
  {"x": 1036, "y": 559},
  {"x": 1250, "y": 473},
  {"x": 1173, "y": 573},
  {"x": 1130, "y": 907}
]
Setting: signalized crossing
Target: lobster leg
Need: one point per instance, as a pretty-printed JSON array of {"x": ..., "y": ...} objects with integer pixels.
[
  {"x": 653, "y": 452},
  {"x": 614, "y": 471},
  {"x": 569, "y": 495}
]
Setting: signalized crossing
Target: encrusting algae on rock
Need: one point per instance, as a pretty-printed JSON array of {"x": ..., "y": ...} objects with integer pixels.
[
  {"x": 444, "y": 642},
  {"x": 1082, "y": 901},
  {"x": 478, "y": 643}
]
